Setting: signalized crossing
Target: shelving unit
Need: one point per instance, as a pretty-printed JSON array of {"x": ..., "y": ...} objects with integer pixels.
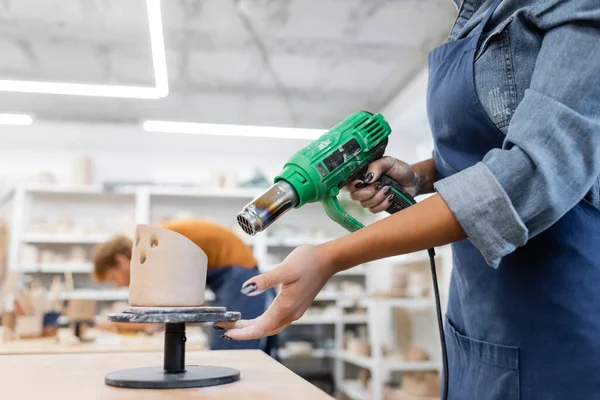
[
  {"x": 353, "y": 389},
  {"x": 316, "y": 354},
  {"x": 59, "y": 238},
  {"x": 379, "y": 366}
]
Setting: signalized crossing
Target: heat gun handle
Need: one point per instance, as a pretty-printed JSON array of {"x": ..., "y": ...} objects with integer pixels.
[{"x": 400, "y": 199}]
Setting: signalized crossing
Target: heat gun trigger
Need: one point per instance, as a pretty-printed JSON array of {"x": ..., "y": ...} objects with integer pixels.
[{"x": 399, "y": 199}]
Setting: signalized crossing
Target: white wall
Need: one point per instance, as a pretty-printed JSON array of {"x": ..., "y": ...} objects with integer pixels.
[
  {"x": 129, "y": 153},
  {"x": 411, "y": 137}
]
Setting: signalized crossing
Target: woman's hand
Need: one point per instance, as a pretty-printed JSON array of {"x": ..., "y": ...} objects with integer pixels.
[
  {"x": 372, "y": 195},
  {"x": 302, "y": 275}
]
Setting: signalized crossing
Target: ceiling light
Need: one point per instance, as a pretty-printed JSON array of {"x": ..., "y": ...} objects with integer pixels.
[
  {"x": 161, "y": 88},
  {"x": 232, "y": 130},
  {"x": 16, "y": 119}
]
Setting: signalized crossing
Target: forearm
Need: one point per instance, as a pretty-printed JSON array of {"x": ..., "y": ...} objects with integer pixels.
[
  {"x": 427, "y": 175},
  {"x": 427, "y": 224}
]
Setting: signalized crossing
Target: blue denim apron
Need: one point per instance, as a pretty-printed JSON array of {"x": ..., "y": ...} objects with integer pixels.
[{"x": 531, "y": 328}]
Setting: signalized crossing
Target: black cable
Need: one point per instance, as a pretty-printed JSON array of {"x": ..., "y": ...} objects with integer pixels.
[{"x": 438, "y": 308}]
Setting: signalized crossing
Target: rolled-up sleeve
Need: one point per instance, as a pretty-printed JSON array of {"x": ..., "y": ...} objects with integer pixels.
[{"x": 550, "y": 157}]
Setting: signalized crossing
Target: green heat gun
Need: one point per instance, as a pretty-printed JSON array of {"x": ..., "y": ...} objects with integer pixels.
[{"x": 321, "y": 169}]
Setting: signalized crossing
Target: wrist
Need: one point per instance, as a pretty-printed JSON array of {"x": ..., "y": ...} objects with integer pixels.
[
  {"x": 425, "y": 176},
  {"x": 329, "y": 259}
]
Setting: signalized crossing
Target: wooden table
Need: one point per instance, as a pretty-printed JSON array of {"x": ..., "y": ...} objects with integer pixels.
[
  {"x": 81, "y": 376},
  {"x": 120, "y": 344}
]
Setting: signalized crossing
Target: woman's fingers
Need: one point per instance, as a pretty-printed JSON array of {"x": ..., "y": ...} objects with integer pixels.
[
  {"x": 384, "y": 205},
  {"x": 258, "y": 284},
  {"x": 273, "y": 321},
  {"x": 355, "y": 185},
  {"x": 379, "y": 196},
  {"x": 366, "y": 193},
  {"x": 378, "y": 168},
  {"x": 242, "y": 323}
]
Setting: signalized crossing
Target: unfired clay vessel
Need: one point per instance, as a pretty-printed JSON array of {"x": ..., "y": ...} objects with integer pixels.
[{"x": 167, "y": 269}]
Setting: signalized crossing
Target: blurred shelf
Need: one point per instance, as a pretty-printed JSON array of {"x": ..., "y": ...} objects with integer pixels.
[
  {"x": 416, "y": 257},
  {"x": 356, "y": 271},
  {"x": 96, "y": 294},
  {"x": 354, "y": 390},
  {"x": 58, "y": 268},
  {"x": 424, "y": 302},
  {"x": 296, "y": 241},
  {"x": 229, "y": 193},
  {"x": 316, "y": 353},
  {"x": 364, "y": 362},
  {"x": 71, "y": 189},
  {"x": 355, "y": 319},
  {"x": 64, "y": 238},
  {"x": 327, "y": 296},
  {"x": 391, "y": 365},
  {"x": 317, "y": 320}
]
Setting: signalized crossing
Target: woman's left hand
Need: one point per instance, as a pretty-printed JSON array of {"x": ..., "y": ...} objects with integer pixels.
[{"x": 302, "y": 275}]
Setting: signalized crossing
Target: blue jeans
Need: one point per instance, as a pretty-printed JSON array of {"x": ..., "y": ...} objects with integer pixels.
[{"x": 226, "y": 284}]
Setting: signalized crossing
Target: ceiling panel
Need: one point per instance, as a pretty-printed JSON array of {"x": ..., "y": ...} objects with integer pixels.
[{"x": 283, "y": 62}]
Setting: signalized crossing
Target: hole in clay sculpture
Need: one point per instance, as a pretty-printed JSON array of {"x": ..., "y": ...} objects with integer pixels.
[
  {"x": 142, "y": 258},
  {"x": 153, "y": 241}
]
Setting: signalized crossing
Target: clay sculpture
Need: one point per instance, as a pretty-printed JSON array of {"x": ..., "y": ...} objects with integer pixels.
[{"x": 167, "y": 269}]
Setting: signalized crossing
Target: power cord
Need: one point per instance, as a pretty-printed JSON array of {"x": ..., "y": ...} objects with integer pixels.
[{"x": 438, "y": 308}]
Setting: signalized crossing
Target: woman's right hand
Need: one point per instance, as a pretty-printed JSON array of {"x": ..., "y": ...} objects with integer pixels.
[{"x": 372, "y": 195}]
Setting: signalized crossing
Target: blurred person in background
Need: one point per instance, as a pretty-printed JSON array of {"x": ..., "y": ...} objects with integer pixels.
[{"x": 230, "y": 264}]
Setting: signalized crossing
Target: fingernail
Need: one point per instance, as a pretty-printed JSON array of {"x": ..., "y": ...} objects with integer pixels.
[
  {"x": 391, "y": 197},
  {"x": 378, "y": 186},
  {"x": 369, "y": 177},
  {"x": 248, "y": 289},
  {"x": 226, "y": 337},
  {"x": 359, "y": 185},
  {"x": 387, "y": 189},
  {"x": 218, "y": 328}
]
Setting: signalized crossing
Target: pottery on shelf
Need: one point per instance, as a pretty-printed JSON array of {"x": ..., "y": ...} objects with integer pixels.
[{"x": 167, "y": 269}]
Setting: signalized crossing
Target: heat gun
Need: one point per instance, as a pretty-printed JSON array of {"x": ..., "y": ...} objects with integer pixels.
[{"x": 321, "y": 169}]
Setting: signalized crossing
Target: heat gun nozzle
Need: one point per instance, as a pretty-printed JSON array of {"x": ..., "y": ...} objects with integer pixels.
[{"x": 265, "y": 209}]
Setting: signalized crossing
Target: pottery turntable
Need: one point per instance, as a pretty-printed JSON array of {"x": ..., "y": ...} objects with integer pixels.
[
  {"x": 168, "y": 278},
  {"x": 174, "y": 373}
]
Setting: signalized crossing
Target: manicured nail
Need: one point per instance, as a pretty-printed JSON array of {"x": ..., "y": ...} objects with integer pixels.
[
  {"x": 391, "y": 197},
  {"x": 226, "y": 337},
  {"x": 359, "y": 185},
  {"x": 386, "y": 190},
  {"x": 248, "y": 289},
  {"x": 369, "y": 177},
  {"x": 378, "y": 186},
  {"x": 218, "y": 328}
]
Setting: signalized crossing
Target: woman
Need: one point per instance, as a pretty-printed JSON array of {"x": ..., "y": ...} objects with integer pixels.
[{"x": 514, "y": 108}]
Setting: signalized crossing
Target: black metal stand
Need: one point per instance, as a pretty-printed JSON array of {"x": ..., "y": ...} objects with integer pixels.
[
  {"x": 174, "y": 348},
  {"x": 174, "y": 373}
]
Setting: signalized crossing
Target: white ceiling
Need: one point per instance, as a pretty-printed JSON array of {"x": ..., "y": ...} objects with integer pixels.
[{"x": 303, "y": 63}]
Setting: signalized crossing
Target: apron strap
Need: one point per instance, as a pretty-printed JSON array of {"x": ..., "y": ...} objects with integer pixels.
[{"x": 485, "y": 20}]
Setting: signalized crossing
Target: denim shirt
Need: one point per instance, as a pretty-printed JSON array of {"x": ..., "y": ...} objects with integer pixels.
[{"x": 537, "y": 74}]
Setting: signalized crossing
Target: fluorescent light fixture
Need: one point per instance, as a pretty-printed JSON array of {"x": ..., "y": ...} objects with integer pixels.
[
  {"x": 161, "y": 88},
  {"x": 16, "y": 119},
  {"x": 232, "y": 130}
]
